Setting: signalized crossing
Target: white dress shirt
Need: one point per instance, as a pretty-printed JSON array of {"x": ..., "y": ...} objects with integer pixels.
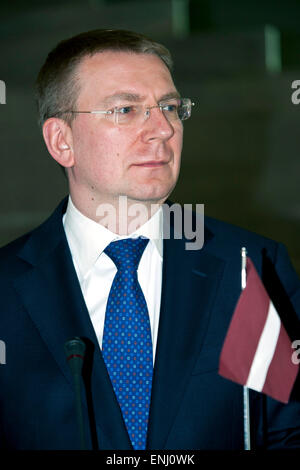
[{"x": 95, "y": 270}]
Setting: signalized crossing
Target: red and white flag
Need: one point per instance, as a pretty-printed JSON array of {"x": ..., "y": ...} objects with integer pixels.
[{"x": 257, "y": 351}]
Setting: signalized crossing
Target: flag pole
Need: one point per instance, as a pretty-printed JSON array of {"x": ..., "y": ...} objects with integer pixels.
[{"x": 247, "y": 444}]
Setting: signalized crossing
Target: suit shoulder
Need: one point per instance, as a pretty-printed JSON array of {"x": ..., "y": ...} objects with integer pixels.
[
  {"x": 37, "y": 241},
  {"x": 270, "y": 257},
  {"x": 227, "y": 236},
  {"x": 8, "y": 255},
  {"x": 11, "y": 248}
]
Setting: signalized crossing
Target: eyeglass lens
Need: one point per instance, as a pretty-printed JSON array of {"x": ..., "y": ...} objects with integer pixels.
[{"x": 172, "y": 111}]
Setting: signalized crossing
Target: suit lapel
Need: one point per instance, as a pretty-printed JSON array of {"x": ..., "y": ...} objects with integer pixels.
[
  {"x": 51, "y": 294},
  {"x": 190, "y": 283}
]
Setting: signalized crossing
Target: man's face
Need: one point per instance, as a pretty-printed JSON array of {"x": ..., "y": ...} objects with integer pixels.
[{"x": 141, "y": 162}]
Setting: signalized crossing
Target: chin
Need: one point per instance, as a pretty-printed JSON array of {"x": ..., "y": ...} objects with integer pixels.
[
  {"x": 154, "y": 192},
  {"x": 153, "y": 196}
]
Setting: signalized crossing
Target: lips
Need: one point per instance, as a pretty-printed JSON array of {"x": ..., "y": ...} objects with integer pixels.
[{"x": 151, "y": 164}]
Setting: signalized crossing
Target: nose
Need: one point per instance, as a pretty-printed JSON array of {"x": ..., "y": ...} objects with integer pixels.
[{"x": 156, "y": 125}]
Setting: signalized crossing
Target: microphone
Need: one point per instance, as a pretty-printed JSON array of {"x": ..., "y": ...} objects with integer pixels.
[{"x": 75, "y": 351}]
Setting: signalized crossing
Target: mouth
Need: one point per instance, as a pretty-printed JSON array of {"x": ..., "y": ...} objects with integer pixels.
[{"x": 152, "y": 164}]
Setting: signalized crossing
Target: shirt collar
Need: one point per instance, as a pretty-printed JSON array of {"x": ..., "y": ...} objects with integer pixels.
[{"x": 87, "y": 239}]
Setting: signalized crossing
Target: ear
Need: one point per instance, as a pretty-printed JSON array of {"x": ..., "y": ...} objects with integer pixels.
[{"x": 58, "y": 138}]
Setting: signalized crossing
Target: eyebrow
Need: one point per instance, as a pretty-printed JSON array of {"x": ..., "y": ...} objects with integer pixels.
[
  {"x": 133, "y": 97},
  {"x": 170, "y": 96},
  {"x": 126, "y": 96}
]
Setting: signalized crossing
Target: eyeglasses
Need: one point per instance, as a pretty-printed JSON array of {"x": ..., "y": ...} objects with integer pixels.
[{"x": 131, "y": 115}]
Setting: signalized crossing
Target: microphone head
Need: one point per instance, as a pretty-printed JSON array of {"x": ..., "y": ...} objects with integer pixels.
[{"x": 75, "y": 351}]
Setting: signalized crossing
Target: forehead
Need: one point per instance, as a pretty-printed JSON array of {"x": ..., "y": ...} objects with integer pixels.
[{"x": 106, "y": 72}]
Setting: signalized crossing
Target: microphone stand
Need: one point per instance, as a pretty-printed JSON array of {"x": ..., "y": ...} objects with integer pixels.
[{"x": 75, "y": 351}]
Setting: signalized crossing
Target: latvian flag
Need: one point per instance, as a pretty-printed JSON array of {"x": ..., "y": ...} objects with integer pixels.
[{"x": 257, "y": 351}]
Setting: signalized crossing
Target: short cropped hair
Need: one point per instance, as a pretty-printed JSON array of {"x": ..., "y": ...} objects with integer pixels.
[{"x": 57, "y": 85}]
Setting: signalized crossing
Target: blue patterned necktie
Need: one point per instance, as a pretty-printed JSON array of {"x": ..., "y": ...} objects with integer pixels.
[{"x": 127, "y": 343}]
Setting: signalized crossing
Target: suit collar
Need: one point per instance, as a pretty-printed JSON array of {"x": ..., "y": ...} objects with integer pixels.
[
  {"x": 87, "y": 238},
  {"x": 48, "y": 235},
  {"x": 45, "y": 238}
]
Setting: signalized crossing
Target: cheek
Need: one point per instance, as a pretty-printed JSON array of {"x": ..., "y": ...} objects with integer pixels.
[
  {"x": 104, "y": 155},
  {"x": 177, "y": 143},
  {"x": 92, "y": 145}
]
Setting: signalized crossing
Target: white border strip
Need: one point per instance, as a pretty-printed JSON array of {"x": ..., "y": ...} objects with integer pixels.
[{"x": 265, "y": 351}]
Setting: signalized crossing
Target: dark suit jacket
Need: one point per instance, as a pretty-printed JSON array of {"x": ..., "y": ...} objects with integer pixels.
[{"x": 192, "y": 406}]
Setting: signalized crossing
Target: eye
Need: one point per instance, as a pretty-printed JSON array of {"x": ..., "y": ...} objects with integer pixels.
[
  {"x": 170, "y": 108},
  {"x": 126, "y": 109}
]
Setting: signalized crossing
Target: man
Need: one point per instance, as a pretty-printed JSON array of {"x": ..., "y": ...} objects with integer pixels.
[{"x": 112, "y": 118}]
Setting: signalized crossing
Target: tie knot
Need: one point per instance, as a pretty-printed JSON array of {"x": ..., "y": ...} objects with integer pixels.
[{"x": 126, "y": 253}]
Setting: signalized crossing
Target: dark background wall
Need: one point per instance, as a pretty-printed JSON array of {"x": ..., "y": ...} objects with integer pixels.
[{"x": 236, "y": 60}]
